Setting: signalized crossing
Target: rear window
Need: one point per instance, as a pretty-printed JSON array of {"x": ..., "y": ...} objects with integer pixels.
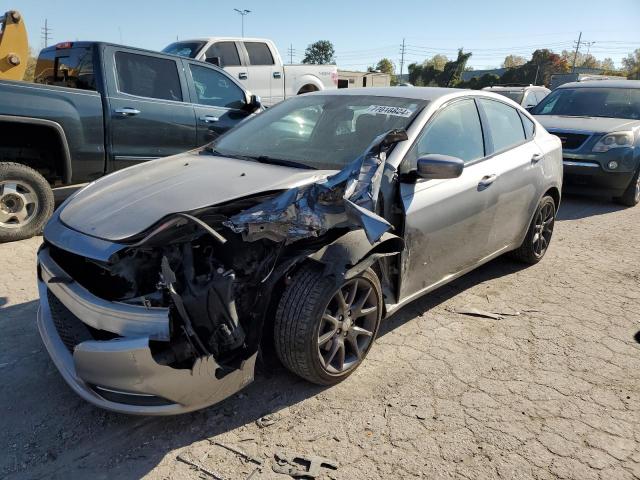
[
  {"x": 68, "y": 67},
  {"x": 515, "y": 95},
  {"x": 184, "y": 49},
  {"x": 259, "y": 53},
  {"x": 146, "y": 76}
]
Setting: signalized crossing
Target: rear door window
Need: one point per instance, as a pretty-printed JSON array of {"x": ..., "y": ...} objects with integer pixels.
[
  {"x": 259, "y": 53},
  {"x": 227, "y": 52},
  {"x": 147, "y": 76},
  {"x": 67, "y": 67},
  {"x": 505, "y": 126}
]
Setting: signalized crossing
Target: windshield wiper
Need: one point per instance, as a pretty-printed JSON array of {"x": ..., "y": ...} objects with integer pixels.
[{"x": 279, "y": 161}]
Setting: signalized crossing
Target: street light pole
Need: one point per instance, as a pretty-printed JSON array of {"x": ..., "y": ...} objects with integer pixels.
[{"x": 242, "y": 14}]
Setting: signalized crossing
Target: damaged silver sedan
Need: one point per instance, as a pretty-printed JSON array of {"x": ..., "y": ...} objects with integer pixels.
[{"x": 299, "y": 231}]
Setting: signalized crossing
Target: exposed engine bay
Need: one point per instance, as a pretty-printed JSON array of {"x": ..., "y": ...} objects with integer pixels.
[{"x": 216, "y": 268}]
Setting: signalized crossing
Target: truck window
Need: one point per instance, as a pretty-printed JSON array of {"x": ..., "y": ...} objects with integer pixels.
[
  {"x": 215, "y": 89},
  {"x": 146, "y": 76},
  {"x": 67, "y": 67},
  {"x": 259, "y": 53},
  {"x": 184, "y": 49},
  {"x": 226, "y": 51}
]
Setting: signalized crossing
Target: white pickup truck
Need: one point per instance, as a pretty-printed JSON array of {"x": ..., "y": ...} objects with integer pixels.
[{"x": 257, "y": 64}]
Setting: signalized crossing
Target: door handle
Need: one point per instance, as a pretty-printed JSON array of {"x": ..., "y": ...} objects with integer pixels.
[
  {"x": 486, "y": 181},
  {"x": 277, "y": 75},
  {"x": 209, "y": 119},
  {"x": 127, "y": 112},
  {"x": 243, "y": 76},
  {"x": 536, "y": 157}
]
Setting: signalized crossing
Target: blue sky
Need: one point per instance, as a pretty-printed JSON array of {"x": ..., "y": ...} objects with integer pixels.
[{"x": 362, "y": 32}]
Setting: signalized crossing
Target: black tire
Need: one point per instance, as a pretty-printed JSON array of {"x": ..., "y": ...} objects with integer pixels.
[
  {"x": 631, "y": 196},
  {"x": 302, "y": 312},
  {"x": 530, "y": 251},
  {"x": 28, "y": 180}
]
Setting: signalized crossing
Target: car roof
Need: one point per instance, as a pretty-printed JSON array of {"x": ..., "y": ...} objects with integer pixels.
[
  {"x": 418, "y": 93},
  {"x": 514, "y": 88},
  {"x": 602, "y": 83}
]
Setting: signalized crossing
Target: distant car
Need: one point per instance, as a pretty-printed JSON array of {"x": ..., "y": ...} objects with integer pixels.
[
  {"x": 159, "y": 283},
  {"x": 598, "y": 123},
  {"x": 526, "y": 95}
]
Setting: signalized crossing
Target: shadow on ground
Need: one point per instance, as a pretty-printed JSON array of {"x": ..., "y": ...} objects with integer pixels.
[{"x": 575, "y": 207}]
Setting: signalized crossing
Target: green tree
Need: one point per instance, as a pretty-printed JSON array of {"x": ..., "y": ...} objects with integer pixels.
[
  {"x": 538, "y": 70},
  {"x": 632, "y": 64},
  {"x": 437, "y": 62},
  {"x": 320, "y": 53},
  {"x": 512, "y": 61},
  {"x": 386, "y": 66}
]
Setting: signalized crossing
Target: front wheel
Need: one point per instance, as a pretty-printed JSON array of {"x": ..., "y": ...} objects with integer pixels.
[
  {"x": 26, "y": 202},
  {"x": 631, "y": 196},
  {"x": 323, "y": 330},
  {"x": 538, "y": 237}
]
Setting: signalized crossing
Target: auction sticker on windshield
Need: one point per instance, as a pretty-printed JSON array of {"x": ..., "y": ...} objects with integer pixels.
[{"x": 386, "y": 110}]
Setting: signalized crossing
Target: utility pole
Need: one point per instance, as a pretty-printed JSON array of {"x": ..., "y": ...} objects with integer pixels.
[
  {"x": 46, "y": 33},
  {"x": 575, "y": 55},
  {"x": 402, "y": 50},
  {"x": 243, "y": 13},
  {"x": 291, "y": 53}
]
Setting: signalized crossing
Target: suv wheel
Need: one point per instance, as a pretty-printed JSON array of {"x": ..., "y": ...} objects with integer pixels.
[
  {"x": 26, "y": 202},
  {"x": 538, "y": 237},
  {"x": 631, "y": 196},
  {"x": 323, "y": 331}
]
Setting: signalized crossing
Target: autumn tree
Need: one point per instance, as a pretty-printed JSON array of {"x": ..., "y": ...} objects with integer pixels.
[
  {"x": 320, "y": 53},
  {"x": 632, "y": 64},
  {"x": 437, "y": 62},
  {"x": 512, "y": 61}
]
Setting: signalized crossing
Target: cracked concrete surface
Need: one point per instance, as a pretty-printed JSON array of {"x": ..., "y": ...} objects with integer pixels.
[{"x": 553, "y": 392}]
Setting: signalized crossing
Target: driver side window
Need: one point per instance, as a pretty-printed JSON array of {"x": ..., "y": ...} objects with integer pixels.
[
  {"x": 454, "y": 131},
  {"x": 215, "y": 89}
]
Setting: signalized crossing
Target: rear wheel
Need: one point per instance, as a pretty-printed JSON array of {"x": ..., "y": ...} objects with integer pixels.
[
  {"x": 323, "y": 331},
  {"x": 538, "y": 237},
  {"x": 631, "y": 196},
  {"x": 26, "y": 202}
]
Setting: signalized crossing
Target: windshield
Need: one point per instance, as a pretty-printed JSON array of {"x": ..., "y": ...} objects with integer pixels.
[
  {"x": 592, "y": 102},
  {"x": 184, "y": 49},
  {"x": 515, "y": 95},
  {"x": 317, "y": 131}
]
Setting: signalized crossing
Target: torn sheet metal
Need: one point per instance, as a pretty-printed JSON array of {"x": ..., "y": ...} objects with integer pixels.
[{"x": 345, "y": 199}]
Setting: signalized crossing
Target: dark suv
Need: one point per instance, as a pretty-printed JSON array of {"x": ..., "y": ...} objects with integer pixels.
[{"x": 598, "y": 123}]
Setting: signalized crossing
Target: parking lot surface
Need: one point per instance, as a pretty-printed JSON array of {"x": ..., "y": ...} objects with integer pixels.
[{"x": 549, "y": 388}]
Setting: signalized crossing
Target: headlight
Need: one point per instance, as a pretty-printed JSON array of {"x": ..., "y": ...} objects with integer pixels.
[{"x": 614, "y": 140}]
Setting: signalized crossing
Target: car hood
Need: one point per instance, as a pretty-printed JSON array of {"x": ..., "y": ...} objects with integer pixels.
[
  {"x": 127, "y": 202},
  {"x": 587, "y": 124}
]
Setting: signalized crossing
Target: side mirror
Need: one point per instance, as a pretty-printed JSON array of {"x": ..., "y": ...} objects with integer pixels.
[
  {"x": 217, "y": 61},
  {"x": 253, "y": 103},
  {"x": 435, "y": 166},
  {"x": 528, "y": 108}
]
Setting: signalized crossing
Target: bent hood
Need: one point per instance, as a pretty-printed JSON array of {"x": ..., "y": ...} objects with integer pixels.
[
  {"x": 130, "y": 201},
  {"x": 586, "y": 124}
]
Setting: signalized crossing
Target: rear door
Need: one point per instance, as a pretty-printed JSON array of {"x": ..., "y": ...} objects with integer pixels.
[
  {"x": 150, "y": 114},
  {"x": 218, "y": 100},
  {"x": 447, "y": 222},
  {"x": 516, "y": 162},
  {"x": 230, "y": 57},
  {"x": 264, "y": 77}
]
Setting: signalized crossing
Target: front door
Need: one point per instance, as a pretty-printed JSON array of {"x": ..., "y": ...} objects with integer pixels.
[
  {"x": 447, "y": 222},
  {"x": 217, "y": 99},
  {"x": 149, "y": 109},
  {"x": 227, "y": 55}
]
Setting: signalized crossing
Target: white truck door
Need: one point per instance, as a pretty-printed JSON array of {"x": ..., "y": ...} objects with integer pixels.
[
  {"x": 227, "y": 56},
  {"x": 262, "y": 73}
]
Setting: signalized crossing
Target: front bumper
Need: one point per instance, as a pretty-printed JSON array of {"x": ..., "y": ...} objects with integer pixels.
[
  {"x": 590, "y": 174},
  {"x": 121, "y": 374}
]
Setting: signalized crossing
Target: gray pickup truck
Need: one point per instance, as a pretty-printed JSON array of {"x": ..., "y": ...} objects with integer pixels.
[{"x": 95, "y": 108}]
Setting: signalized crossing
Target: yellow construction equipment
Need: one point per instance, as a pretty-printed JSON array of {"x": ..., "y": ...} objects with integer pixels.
[{"x": 14, "y": 46}]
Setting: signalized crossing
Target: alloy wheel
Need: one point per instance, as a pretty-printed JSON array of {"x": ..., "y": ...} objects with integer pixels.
[
  {"x": 18, "y": 203},
  {"x": 347, "y": 326},
  {"x": 544, "y": 222}
]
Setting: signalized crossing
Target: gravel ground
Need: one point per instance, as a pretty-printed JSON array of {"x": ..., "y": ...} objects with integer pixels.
[{"x": 553, "y": 392}]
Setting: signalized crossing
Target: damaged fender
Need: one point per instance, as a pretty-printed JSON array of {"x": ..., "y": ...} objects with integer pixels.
[{"x": 346, "y": 199}]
